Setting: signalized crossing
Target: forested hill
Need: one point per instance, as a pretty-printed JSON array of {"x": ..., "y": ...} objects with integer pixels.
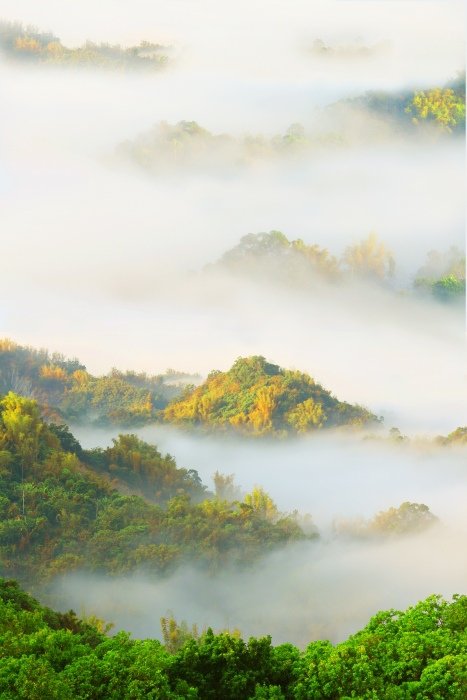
[
  {"x": 272, "y": 258},
  {"x": 188, "y": 146},
  {"x": 419, "y": 654},
  {"x": 259, "y": 398},
  {"x": 63, "y": 508},
  {"x": 255, "y": 397},
  {"x": 67, "y": 392}
]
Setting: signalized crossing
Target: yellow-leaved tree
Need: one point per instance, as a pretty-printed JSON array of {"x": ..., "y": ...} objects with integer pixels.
[
  {"x": 369, "y": 259},
  {"x": 262, "y": 503}
]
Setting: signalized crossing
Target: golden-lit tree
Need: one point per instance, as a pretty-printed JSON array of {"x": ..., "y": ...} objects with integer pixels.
[{"x": 369, "y": 259}]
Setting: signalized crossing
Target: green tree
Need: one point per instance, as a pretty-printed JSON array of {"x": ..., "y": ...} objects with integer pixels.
[{"x": 22, "y": 428}]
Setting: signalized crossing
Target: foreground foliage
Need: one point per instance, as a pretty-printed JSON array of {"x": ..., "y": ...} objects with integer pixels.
[{"x": 420, "y": 654}]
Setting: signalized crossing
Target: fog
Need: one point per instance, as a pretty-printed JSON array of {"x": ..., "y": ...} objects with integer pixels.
[
  {"x": 316, "y": 590},
  {"x": 400, "y": 358},
  {"x": 104, "y": 260},
  {"x": 322, "y": 589},
  {"x": 267, "y": 40},
  {"x": 110, "y": 265},
  {"x": 330, "y": 475}
]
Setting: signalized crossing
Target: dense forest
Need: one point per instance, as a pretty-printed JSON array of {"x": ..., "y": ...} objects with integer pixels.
[
  {"x": 130, "y": 508},
  {"x": 255, "y": 396},
  {"x": 26, "y": 43},
  {"x": 116, "y": 510},
  {"x": 259, "y": 398},
  {"x": 414, "y": 654},
  {"x": 67, "y": 391}
]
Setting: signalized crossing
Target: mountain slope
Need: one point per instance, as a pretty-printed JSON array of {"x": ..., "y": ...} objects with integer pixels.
[
  {"x": 57, "y": 514},
  {"x": 66, "y": 391}
]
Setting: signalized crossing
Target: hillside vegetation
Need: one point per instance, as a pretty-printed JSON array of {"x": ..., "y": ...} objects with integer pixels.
[
  {"x": 172, "y": 147},
  {"x": 441, "y": 108},
  {"x": 115, "y": 510},
  {"x": 443, "y": 276},
  {"x": 187, "y": 145},
  {"x": 20, "y": 43},
  {"x": 457, "y": 438},
  {"x": 271, "y": 257},
  {"x": 66, "y": 391},
  {"x": 257, "y": 398},
  {"x": 419, "y": 654}
]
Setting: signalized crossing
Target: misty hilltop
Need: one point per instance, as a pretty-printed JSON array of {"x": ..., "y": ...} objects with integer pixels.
[
  {"x": 272, "y": 258},
  {"x": 187, "y": 145},
  {"x": 254, "y": 397},
  {"x": 438, "y": 108},
  {"x": 28, "y": 44},
  {"x": 368, "y": 118},
  {"x": 258, "y": 398}
]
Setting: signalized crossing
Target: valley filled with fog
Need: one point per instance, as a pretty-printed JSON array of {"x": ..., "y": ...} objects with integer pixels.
[{"x": 325, "y": 588}]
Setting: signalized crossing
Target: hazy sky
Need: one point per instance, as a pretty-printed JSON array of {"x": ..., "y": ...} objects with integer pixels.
[{"x": 264, "y": 40}]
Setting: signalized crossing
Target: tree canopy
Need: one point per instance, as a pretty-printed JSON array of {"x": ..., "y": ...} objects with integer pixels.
[
  {"x": 419, "y": 653},
  {"x": 67, "y": 392}
]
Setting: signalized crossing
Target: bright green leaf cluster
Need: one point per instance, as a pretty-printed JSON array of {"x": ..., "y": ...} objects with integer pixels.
[{"x": 420, "y": 654}]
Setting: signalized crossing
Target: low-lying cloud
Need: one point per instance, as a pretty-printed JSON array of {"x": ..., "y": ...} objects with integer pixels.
[{"x": 316, "y": 590}]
